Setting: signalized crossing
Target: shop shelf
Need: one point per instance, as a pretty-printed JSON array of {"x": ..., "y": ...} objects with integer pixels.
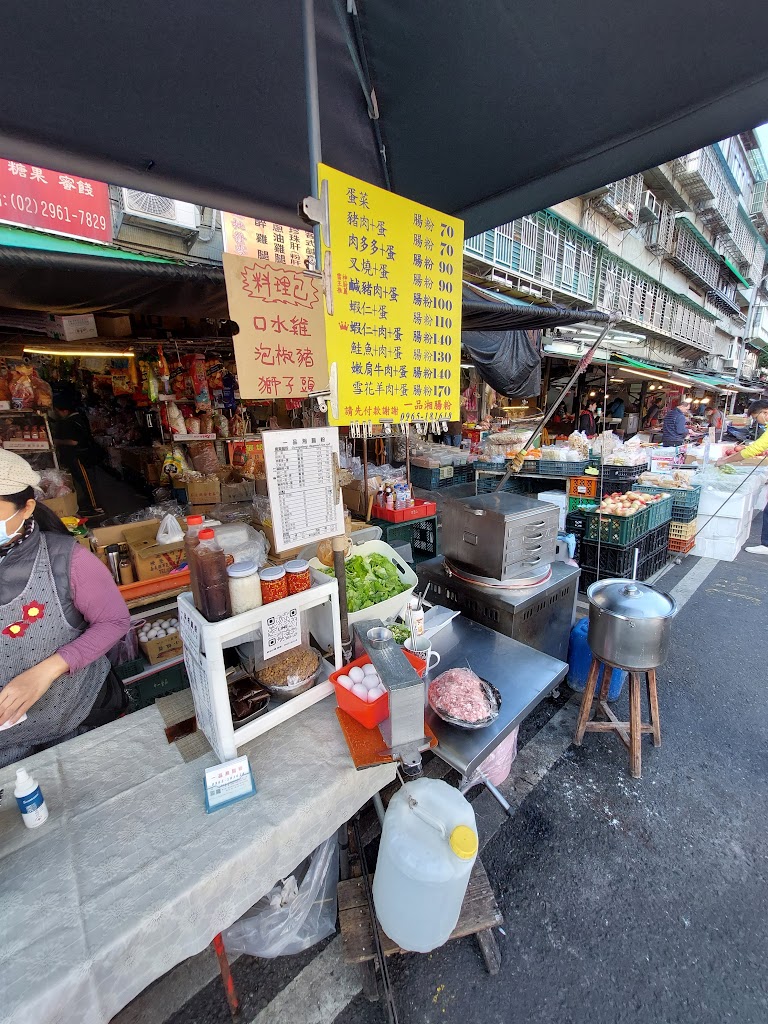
[
  {"x": 684, "y": 515},
  {"x": 421, "y": 534},
  {"x": 618, "y": 530},
  {"x": 583, "y": 486},
  {"x": 551, "y": 467},
  {"x": 659, "y": 512},
  {"x": 419, "y": 510},
  {"x": 683, "y": 531},
  {"x": 681, "y": 547},
  {"x": 682, "y": 498}
]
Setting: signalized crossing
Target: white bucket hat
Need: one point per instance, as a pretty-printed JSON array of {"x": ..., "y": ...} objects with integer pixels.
[{"x": 15, "y": 473}]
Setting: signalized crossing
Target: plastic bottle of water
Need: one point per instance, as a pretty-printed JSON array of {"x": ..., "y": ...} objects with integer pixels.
[{"x": 428, "y": 846}]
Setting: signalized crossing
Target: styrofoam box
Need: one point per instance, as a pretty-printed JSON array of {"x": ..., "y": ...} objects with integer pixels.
[
  {"x": 737, "y": 506},
  {"x": 720, "y": 528},
  {"x": 726, "y": 549},
  {"x": 319, "y": 619},
  {"x": 559, "y": 498},
  {"x": 761, "y": 499}
]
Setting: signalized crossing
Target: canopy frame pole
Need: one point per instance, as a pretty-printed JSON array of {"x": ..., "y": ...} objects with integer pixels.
[
  {"x": 312, "y": 92},
  {"x": 580, "y": 367}
]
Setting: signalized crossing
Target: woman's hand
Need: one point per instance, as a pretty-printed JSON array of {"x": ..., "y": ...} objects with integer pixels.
[{"x": 18, "y": 696}]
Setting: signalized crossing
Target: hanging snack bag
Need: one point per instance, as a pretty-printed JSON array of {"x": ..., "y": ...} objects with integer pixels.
[{"x": 196, "y": 367}]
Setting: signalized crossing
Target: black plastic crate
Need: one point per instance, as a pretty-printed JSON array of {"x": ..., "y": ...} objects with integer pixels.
[
  {"x": 575, "y": 522},
  {"x": 645, "y": 569},
  {"x": 421, "y": 534},
  {"x": 616, "y": 486},
  {"x": 618, "y": 561},
  {"x": 684, "y": 515},
  {"x": 622, "y": 472}
]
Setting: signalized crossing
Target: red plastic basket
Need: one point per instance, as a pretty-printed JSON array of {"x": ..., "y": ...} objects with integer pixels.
[
  {"x": 368, "y": 715},
  {"x": 682, "y": 547},
  {"x": 420, "y": 510}
]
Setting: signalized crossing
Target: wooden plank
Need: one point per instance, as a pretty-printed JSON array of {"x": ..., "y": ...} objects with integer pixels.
[
  {"x": 489, "y": 948},
  {"x": 653, "y": 706},
  {"x": 586, "y": 702},
  {"x": 635, "y": 736},
  {"x": 479, "y": 912}
]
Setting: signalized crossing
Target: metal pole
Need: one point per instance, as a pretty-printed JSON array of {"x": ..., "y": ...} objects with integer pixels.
[{"x": 313, "y": 107}]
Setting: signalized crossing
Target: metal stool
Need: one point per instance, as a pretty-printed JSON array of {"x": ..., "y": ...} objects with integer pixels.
[{"x": 630, "y": 733}]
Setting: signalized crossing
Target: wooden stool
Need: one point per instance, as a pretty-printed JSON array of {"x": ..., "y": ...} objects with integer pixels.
[{"x": 630, "y": 733}]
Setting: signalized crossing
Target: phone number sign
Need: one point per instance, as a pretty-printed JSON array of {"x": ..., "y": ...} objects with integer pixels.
[{"x": 63, "y": 204}]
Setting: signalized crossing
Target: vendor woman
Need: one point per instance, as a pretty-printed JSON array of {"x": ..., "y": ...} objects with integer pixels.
[{"x": 60, "y": 612}]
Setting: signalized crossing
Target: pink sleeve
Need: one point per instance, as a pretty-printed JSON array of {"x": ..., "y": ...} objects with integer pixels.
[{"x": 96, "y": 597}]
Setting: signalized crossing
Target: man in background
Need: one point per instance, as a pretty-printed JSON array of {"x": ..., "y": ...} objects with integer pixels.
[
  {"x": 674, "y": 430},
  {"x": 76, "y": 450}
]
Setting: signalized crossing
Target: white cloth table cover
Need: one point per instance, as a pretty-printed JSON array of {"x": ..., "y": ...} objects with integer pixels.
[{"x": 129, "y": 876}]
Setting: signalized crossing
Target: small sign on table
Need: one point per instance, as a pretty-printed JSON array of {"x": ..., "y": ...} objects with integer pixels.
[{"x": 227, "y": 783}]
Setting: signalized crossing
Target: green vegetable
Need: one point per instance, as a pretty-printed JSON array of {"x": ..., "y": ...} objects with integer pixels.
[
  {"x": 400, "y": 632},
  {"x": 728, "y": 470},
  {"x": 371, "y": 579}
]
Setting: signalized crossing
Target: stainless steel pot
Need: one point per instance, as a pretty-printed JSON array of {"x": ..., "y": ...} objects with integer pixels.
[{"x": 629, "y": 624}]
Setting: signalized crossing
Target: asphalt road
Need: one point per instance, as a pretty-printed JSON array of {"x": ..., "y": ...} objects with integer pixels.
[{"x": 624, "y": 900}]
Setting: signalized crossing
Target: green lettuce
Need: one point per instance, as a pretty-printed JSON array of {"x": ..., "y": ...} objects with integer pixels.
[{"x": 371, "y": 579}]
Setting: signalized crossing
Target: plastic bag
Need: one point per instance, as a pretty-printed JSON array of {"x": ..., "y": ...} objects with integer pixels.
[
  {"x": 203, "y": 457},
  {"x": 169, "y": 531},
  {"x": 286, "y": 921},
  {"x": 242, "y": 542}
]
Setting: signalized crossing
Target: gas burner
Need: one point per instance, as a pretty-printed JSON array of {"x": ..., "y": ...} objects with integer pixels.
[{"x": 466, "y": 574}]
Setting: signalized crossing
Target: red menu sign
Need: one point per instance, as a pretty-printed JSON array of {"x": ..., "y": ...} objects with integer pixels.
[{"x": 64, "y": 204}]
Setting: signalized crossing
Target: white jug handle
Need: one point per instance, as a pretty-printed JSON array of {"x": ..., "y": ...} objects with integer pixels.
[{"x": 427, "y": 818}]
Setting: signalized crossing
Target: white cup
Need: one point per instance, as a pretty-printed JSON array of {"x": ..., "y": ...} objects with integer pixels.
[{"x": 423, "y": 649}]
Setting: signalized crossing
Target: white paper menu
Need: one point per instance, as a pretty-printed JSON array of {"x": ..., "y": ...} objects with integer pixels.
[{"x": 302, "y": 480}]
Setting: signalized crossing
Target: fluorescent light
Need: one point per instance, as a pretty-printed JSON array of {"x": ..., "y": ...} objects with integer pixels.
[
  {"x": 466, "y": 366},
  {"x": 90, "y": 353}
]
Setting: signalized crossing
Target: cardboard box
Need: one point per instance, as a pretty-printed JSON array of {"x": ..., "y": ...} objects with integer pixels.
[
  {"x": 113, "y": 325},
  {"x": 283, "y": 556},
  {"x": 203, "y": 491},
  {"x": 63, "y": 506},
  {"x": 71, "y": 328},
  {"x": 161, "y": 648},
  {"x": 102, "y": 536},
  {"x": 150, "y": 559},
  {"x": 243, "y": 491},
  {"x": 355, "y": 498}
]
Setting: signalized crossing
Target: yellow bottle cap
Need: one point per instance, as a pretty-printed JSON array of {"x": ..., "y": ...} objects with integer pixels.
[{"x": 463, "y": 841}]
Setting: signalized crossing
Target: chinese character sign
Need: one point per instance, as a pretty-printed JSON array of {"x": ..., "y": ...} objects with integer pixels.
[
  {"x": 264, "y": 240},
  {"x": 280, "y": 345},
  {"x": 63, "y": 204},
  {"x": 395, "y": 332}
]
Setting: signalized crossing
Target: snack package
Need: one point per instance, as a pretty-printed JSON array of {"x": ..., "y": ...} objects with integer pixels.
[
  {"x": 203, "y": 457},
  {"x": 195, "y": 365},
  {"x": 174, "y": 464},
  {"x": 176, "y": 422}
]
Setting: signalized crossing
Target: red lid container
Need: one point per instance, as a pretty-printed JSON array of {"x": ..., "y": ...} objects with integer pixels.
[{"x": 368, "y": 715}]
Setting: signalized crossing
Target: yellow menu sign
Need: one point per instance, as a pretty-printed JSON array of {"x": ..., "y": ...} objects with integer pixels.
[{"x": 395, "y": 330}]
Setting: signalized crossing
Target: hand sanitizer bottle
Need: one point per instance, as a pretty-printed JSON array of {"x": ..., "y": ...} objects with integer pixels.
[{"x": 29, "y": 797}]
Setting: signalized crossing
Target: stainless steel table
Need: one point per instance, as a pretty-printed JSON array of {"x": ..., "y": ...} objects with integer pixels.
[{"x": 523, "y": 676}]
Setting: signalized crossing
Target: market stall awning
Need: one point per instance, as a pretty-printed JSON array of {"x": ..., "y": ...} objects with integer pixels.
[
  {"x": 485, "y": 310},
  {"x": 485, "y": 111},
  {"x": 21, "y": 238}
]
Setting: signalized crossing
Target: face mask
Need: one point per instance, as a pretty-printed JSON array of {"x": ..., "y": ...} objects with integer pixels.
[{"x": 6, "y": 537}]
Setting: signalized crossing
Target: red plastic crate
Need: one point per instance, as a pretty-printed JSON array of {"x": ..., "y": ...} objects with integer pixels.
[
  {"x": 421, "y": 509},
  {"x": 682, "y": 547},
  {"x": 368, "y": 715}
]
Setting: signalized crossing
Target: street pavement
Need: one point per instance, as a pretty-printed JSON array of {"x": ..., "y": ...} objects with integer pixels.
[{"x": 623, "y": 900}]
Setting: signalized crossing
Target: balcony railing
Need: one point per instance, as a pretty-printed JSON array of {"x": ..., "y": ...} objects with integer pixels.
[
  {"x": 660, "y": 236},
  {"x": 544, "y": 249},
  {"x": 647, "y": 303},
  {"x": 701, "y": 175},
  {"x": 621, "y": 203},
  {"x": 759, "y": 207},
  {"x": 694, "y": 256}
]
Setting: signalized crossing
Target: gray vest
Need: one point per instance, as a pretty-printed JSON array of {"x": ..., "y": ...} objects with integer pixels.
[{"x": 37, "y": 618}]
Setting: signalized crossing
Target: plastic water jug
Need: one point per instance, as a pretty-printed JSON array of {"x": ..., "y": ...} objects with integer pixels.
[
  {"x": 579, "y": 660},
  {"x": 428, "y": 846}
]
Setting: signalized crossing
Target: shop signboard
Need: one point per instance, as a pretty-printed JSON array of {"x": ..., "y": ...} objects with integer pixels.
[
  {"x": 394, "y": 330},
  {"x": 62, "y": 204},
  {"x": 280, "y": 344},
  {"x": 264, "y": 240}
]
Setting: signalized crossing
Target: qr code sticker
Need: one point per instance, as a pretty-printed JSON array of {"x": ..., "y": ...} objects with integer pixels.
[{"x": 282, "y": 632}]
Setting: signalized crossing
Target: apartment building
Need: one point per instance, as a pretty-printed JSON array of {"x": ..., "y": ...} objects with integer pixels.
[{"x": 679, "y": 249}]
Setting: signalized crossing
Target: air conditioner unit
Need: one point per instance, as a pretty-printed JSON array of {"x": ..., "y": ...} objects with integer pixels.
[
  {"x": 650, "y": 208},
  {"x": 145, "y": 209},
  {"x": 629, "y": 213}
]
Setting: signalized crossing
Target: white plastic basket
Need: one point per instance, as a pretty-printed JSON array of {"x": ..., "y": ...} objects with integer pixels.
[{"x": 319, "y": 619}]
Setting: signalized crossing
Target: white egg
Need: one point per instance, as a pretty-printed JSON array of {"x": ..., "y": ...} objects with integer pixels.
[
  {"x": 164, "y": 624},
  {"x": 370, "y": 669},
  {"x": 356, "y": 674},
  {"x": 160, "y": 632},
  {"x": 371, "y": 682},
  {"x": 171, "y": 629},
  {"x": 143, "y": 637},
  {"x": 360, "y": 691},
  {"x": 345, "y": 681},
  {"x": 375, "y": 693}
]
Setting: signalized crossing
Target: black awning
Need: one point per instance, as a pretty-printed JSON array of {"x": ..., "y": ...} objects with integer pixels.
[{"x": 486, "y": 111}]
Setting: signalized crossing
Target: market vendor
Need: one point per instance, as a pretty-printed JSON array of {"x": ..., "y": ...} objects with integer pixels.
[
  {"x": 60, "y": 612},
  {"x": 759, "y": 413},
  {"x": 674, "y": 430},
  {"x": 587, "y": 423},
  {"x": 76, "y": 448}
]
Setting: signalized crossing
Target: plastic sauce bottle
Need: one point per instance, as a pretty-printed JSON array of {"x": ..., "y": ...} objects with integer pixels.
[
  {"x": 191, "y": 540},
  {"x": 212, "y": 578},
  {"x": 29, "y": 797}
]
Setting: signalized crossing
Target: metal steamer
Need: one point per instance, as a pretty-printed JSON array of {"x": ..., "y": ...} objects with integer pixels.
[{"x": 630, "y": 624}]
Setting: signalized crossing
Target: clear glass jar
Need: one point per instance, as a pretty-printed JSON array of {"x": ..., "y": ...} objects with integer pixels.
[
  {"x": 274, "y": 584},
  {"x": 244, "y": 586},
  {"x": 297, "y": 572}
]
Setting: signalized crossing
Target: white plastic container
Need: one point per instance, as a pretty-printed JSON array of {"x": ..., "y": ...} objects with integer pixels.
[
  {"x": 29, "y": 797},
  {"x": 428, "y": 847}
]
